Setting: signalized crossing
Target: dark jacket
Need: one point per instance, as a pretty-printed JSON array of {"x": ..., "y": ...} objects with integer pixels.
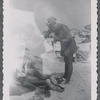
[{"x": 62, "y": 34}]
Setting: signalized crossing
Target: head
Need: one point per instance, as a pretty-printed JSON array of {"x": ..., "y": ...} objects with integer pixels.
[{"x": 51, "y": 21}]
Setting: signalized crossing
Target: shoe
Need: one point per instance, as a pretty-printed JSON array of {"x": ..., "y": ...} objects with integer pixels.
[
  {"x": 55, "y": 87},
  {"x": 63, "y": 81},
  {"x": 59, "y": 89}
]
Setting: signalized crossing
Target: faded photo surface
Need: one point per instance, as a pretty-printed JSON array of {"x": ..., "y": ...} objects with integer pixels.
[{"x": 49, "y": 49}]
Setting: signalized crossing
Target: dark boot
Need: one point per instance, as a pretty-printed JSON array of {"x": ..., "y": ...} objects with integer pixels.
[{"x": 68, "y": 68}]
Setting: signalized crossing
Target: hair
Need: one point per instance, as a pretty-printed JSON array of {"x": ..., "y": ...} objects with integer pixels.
[{"x": 51, "y": 19}]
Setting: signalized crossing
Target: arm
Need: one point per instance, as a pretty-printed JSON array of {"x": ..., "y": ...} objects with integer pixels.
[{"x": 46, "y": 35}]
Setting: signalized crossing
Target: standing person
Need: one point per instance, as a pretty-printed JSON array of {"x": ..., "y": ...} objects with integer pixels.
[{"x": 68, "y": 45}]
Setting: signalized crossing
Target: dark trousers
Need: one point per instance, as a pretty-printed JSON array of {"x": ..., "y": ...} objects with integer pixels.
[
  {"x": 68, "y": 67},
  {"x": 68, "y": 47}
]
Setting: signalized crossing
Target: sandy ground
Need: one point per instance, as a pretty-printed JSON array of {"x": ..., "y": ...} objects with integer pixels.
[{"x": 79, "y": 87}]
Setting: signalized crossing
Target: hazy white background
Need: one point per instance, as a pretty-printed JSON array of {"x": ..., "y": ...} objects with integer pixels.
[{"x": 27, "y": 20}]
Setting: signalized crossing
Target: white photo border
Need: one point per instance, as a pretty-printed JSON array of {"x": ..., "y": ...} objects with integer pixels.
[{"x": 6, "y": 46}]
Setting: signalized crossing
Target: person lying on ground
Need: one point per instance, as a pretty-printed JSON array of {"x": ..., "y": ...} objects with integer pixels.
[{"x": 32, "y": 78}]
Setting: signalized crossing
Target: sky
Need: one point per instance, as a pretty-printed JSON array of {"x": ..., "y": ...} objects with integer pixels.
[{"x": 73, "y": 13}]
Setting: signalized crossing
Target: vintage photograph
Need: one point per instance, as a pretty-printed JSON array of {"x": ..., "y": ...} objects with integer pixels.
[{"x": 48, "y": 48}]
